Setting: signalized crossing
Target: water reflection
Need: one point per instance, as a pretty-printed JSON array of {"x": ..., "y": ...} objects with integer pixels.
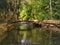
[{"x": 35, "y": 36}]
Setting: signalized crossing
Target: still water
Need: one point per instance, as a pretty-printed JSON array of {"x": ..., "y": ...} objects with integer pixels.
[{"x": 27, "y": 35}]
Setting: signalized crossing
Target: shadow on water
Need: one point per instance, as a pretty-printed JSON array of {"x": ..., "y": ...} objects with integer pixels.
[{"x": 11, "y": 38}]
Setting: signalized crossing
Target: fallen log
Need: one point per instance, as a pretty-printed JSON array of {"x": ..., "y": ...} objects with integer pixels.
[
  {"x": 51, "y": 28},
  {"x": 51, "y": 21},
  {"x": 43, "y": 24}
]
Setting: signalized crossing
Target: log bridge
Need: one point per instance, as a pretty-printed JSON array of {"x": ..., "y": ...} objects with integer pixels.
[{"x": 53, "y": 25}]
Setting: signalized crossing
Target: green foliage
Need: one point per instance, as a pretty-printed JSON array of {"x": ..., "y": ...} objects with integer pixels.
[
  {"x": 56, "y": 9},
  {"x": 33, "y": 10},
  {"x": 37, "y": 11},
  {"x": 25, "y": 11}
]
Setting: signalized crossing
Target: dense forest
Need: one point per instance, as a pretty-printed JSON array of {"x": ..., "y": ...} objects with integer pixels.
[{"x": 14, "y": 15}]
